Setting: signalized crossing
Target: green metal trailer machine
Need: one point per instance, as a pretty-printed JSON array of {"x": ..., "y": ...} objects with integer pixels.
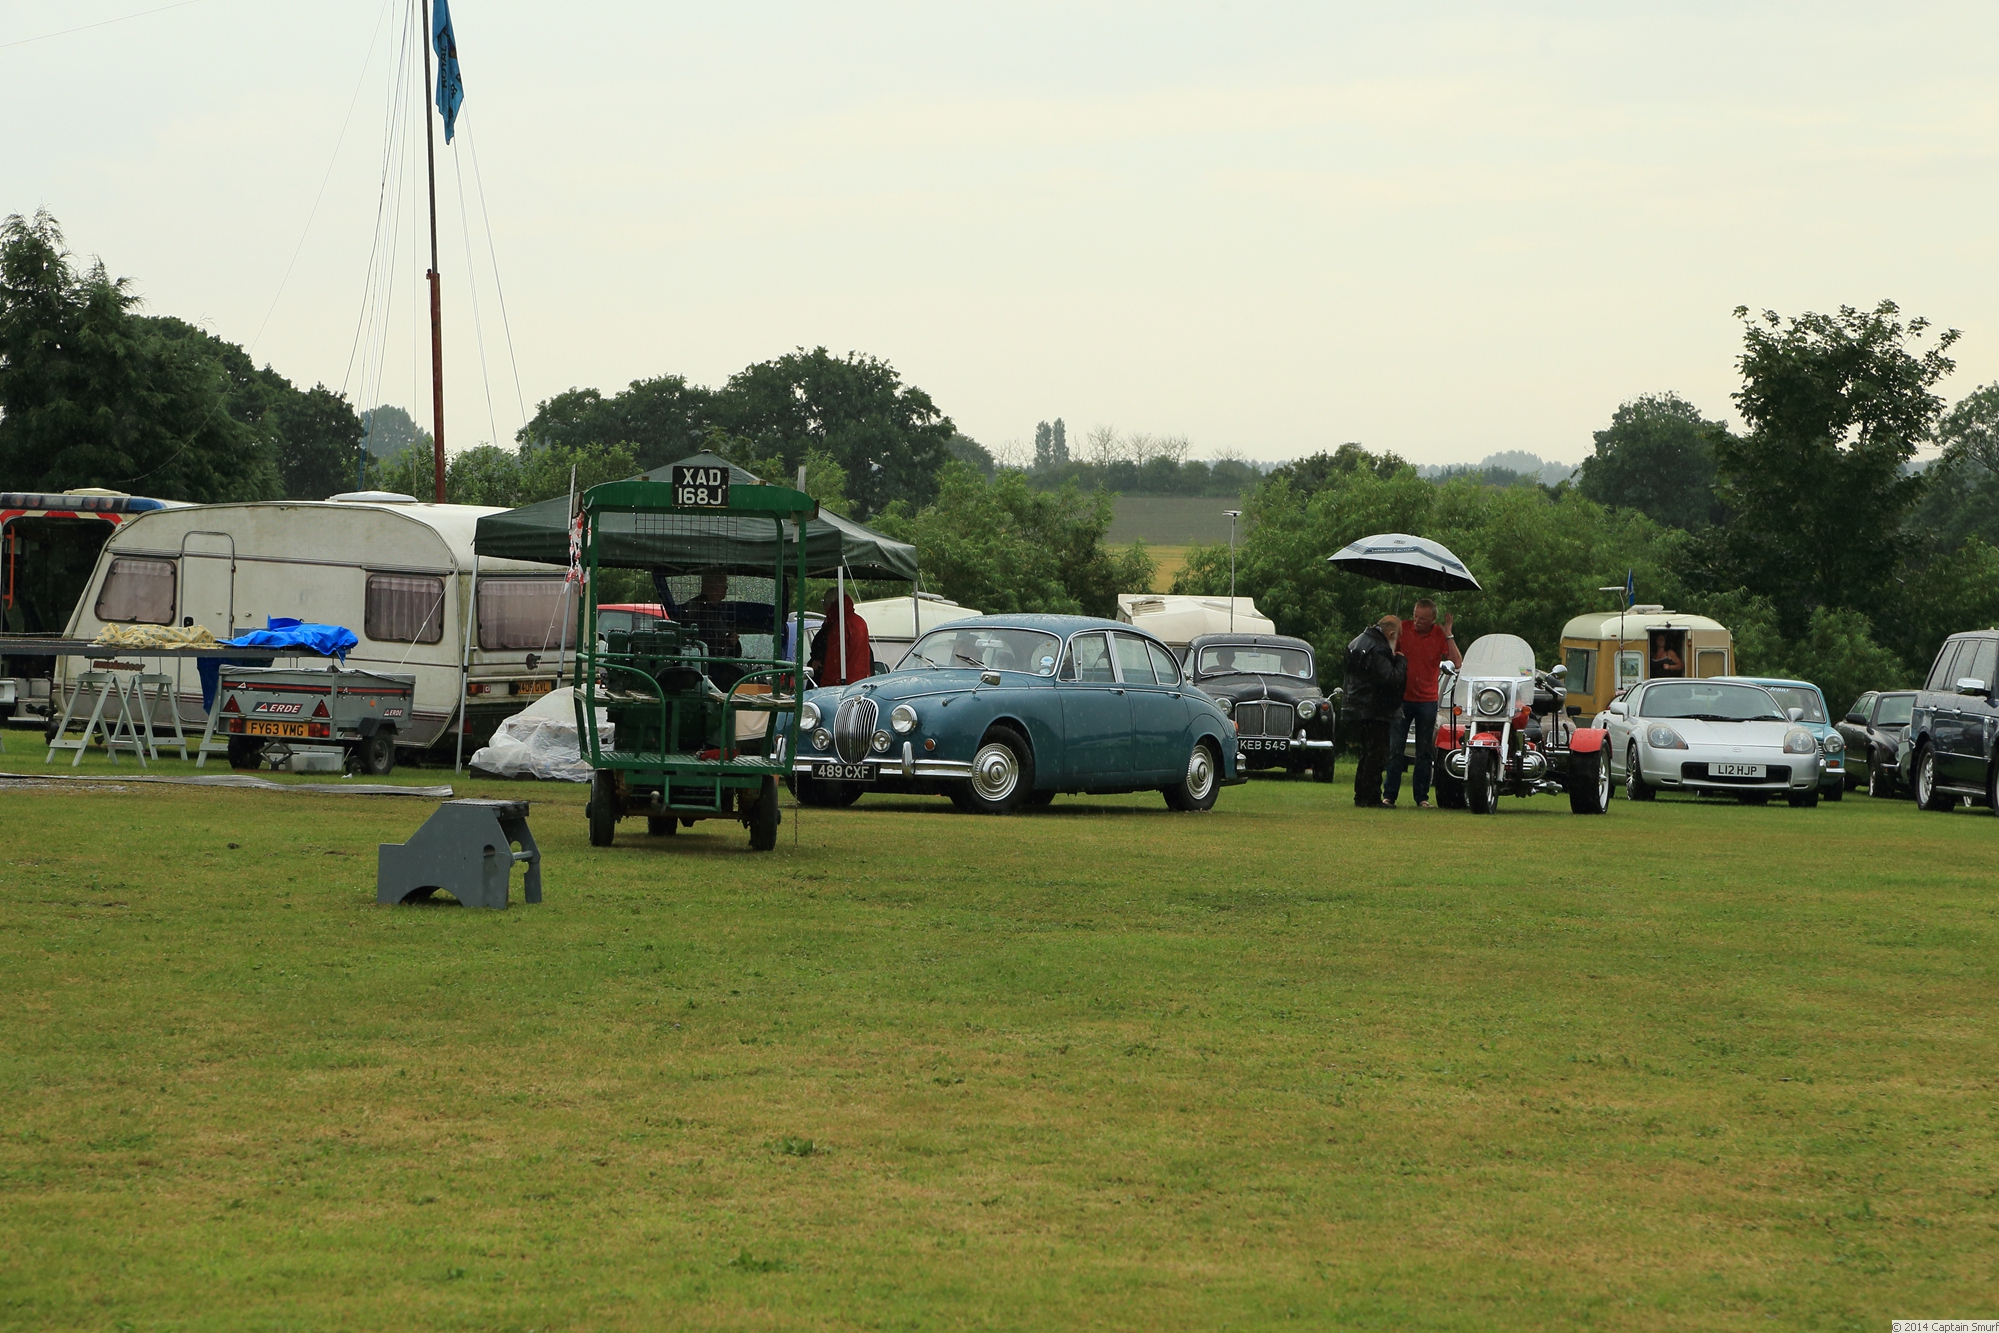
[{"x": 698, "y": 728}]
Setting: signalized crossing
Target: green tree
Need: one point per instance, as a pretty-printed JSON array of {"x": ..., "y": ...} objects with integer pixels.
[
  {"x": 890, "y": 439},
  {"x": 1961, "y": 498},
  {"x": 505, "y": 478},
  {"x": 661, "y": 419},
  {"x": 387, "y": 430},
  {"x": 1817, "y": 488},
  {"x": 1002, "y": 546},
  {"x": 1656, "y": 456},
  {"x": 92, "y": 395}
]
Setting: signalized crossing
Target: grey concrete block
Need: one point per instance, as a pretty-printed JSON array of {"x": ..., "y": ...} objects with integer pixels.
[{"x": 465, "y": 848}]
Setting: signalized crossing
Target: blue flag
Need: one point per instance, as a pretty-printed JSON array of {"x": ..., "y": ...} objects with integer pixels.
[
  {"x": 1630, "y": 580},
  {"x": 450, "y": 87}
]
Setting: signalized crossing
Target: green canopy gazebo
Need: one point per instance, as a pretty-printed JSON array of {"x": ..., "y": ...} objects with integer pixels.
[{"x": 835, "y": 547}]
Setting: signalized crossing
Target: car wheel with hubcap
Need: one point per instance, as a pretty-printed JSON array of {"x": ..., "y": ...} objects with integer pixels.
[
  {"x": 1589, "y": 783},
  {"x": 1197, "y": 791},
  {"x": 1635, "y": 786},
  {"x": 764, "y": 817},
  {"x": 1482, "y": 780},
  {"x": 1002, "y": 775},
  {"x": 1880, "y": 782},
  {"x": 1927, "y": 795},
  {"x": 603, "y": 808}
]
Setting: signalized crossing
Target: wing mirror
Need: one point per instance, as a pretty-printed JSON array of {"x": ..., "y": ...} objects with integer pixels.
[
  {"x": 1969, "y": 686},
  {"x": 1616, "y": 708},
  {"x": 1856, "y": 719},
  {"x": 1559, "y": 670},
  {"x": 1795, "y": 714},
  {"x": 989, "y": 677}
]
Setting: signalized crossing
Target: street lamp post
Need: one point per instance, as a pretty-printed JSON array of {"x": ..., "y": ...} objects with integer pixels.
[{"x": 1233, "y": 514}]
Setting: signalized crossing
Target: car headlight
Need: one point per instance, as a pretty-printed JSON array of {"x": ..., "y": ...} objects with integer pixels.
[
  {"x": 1491, "y": 700},
  {"x": 808, "y": 717},
  {"x": 1799, "y": 741},
  {"x": 881, "y": 742},
  {"x": 1835, "y": 743},
  {"x": 903, "y": 719},
  {"x": 1663, "y": 738},
  {"x": 1306, "y": 708},
  {"x": 1227, "y": 705},
  {"x": 822, "y": 739}
]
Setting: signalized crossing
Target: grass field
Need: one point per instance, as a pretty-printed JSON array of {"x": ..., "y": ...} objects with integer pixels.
[
  {"x": 1167, "y": 561},
  {"x": 1285, "y": 1065}
]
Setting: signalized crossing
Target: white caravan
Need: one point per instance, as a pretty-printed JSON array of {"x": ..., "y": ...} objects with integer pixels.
[
  {"x": 397, "y": 573},
  {"x": 895, "y": 623},
  {"x": 1178, "y": 620}
]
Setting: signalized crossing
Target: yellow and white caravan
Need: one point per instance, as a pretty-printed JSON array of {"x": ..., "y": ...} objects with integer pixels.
[{"x": 1610, "y": 651}]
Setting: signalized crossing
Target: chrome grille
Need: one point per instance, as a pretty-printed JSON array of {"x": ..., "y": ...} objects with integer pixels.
[
  {"x": 1249, "y": 719},
  {"x": 1272, "y": 719},
  {"x": 853, "y": 727}
]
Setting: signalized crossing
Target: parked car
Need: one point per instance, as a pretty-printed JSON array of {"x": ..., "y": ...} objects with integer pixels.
[
  {"x": 1269, "y": 685},
  {"x": 1946, "y": 751},
  {"x": 1815, "y": 718},
  {"x": 1873, "y": 730},
  {"x": 1713, "y": 737},
  {"x": 1000, "y": 713}
]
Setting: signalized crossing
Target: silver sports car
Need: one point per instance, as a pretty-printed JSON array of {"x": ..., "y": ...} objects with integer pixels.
[{"x": 1711, "y": 736}]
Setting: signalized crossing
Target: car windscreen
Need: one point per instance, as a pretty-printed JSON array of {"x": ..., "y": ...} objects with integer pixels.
[
  {"x": 1255, "y": 659},
  {"x": 1791, "y": 696},
  {"x": 985, "y": 647},
  {"x": 1710, "y": 701},
  {"x": 1894, "y": 710}
]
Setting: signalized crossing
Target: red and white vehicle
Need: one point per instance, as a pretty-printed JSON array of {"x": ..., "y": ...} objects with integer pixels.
[{"x": 1502, "y": 727}]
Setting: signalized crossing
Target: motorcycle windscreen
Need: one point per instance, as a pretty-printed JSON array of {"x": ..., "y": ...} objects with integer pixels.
[{"x": 1499, "y": 655}]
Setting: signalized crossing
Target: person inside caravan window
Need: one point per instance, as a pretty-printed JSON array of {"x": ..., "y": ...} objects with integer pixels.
[
  {"x": 718, "y": 622},
  {"x": 1665, "y": 658}
]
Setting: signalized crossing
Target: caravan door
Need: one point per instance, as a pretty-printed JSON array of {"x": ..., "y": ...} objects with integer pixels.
[{"x": 208, "y": 582}]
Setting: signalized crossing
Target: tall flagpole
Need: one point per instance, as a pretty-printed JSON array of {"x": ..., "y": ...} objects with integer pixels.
[{"x": 436, "y": 298}]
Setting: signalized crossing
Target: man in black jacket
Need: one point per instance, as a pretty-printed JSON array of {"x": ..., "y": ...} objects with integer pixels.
[{"x": 1376, "y": 676}]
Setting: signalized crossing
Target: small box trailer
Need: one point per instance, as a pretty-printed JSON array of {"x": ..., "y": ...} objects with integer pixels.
[{"x": 362, "y": 712}]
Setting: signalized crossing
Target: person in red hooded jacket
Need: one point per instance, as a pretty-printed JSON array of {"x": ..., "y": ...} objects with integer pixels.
[{"x": 824, "y": 659}]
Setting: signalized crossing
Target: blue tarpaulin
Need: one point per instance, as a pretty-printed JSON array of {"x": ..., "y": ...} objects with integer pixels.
[{"x": 279, "y": 632}]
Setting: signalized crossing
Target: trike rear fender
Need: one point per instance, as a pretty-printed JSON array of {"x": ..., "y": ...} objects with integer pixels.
[{"x": 1587, "y": 740}]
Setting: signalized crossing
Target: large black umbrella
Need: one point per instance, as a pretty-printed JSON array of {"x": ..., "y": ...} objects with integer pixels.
[{"x": 1413, "y": 562}]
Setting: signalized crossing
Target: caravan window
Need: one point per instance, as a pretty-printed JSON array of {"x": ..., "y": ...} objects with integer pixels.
[
  {"x": 404, "y": 608},
  {"x": 1582, "y": 670},
  {"x": 137, "y": 591},
  {"x": 526, "y": 614}
]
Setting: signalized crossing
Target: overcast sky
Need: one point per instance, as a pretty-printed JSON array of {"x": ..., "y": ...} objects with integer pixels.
[{"x": 1443, "y": 230}]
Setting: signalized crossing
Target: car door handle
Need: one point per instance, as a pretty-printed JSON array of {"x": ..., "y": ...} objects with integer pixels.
[{"x": 1118, "y": 690}]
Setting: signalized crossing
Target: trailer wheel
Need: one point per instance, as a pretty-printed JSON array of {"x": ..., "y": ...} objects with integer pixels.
[
  {"x": 764, "y": 818},
  {"x": 662, "y": 826},
  {"x": 603, "y": 808},
  {"x": 1482, "y": 780},
  {"x": 245, "y": 754},
  {"x": 376, "y": 754},
  {"x": 1589, "y": 783}
]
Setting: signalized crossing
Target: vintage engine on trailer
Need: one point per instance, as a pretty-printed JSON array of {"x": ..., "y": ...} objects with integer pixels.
[{"x": 1503, "y": 727}]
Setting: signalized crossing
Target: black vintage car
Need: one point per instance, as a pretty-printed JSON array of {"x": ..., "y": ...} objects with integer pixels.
[
  {"x": 1269, "y": 685},
  {"x": 1873, "y": 729},
  {"x": 1946, "y": 751}
]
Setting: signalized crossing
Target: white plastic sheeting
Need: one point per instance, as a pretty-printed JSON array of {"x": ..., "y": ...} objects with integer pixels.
[{"x": 540, "y": 742}]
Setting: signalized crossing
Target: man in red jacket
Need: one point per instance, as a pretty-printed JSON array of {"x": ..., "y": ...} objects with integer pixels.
[
  {"x": 1426, "y": 642},
  {"x": 824, "y": 659}
]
